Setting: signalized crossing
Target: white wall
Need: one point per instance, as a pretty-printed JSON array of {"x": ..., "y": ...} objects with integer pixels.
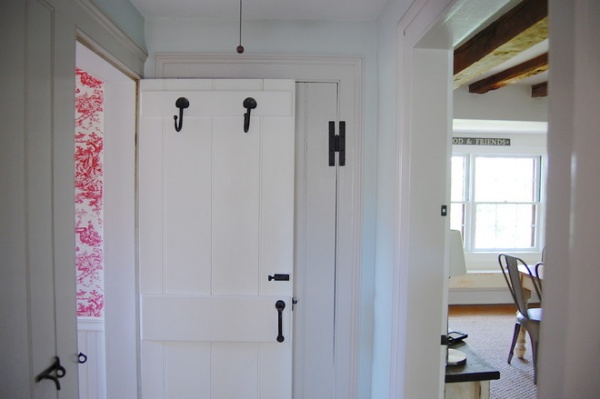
[
  {"x": 126, "y": 16},
  {"x": 513, "y": 103},
  {"x": 265, "y": 37},
  {"x": 569, "y": 337}
]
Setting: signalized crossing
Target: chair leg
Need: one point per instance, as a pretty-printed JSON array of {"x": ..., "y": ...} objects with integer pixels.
[
  {"x": 514, "y": 341},
  {"x": 534, "y": 352}
]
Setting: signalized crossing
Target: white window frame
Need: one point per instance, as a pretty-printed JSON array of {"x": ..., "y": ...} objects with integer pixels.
[{"x": 522, "y": 145}]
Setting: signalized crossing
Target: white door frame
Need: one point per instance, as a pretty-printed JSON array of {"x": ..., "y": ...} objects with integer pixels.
[
  {"x": 119, "y": 371},
  {"x": 426, "y": 34},
  {"x": 348, "y": 72}
]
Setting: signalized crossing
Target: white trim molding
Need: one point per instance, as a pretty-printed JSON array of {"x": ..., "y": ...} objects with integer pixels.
[{"x": 124, "y": 52}]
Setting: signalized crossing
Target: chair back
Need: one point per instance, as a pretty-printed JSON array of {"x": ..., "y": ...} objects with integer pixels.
[
  {"x": 538, "y": 270},
  {"x": 510, "y": 269}
]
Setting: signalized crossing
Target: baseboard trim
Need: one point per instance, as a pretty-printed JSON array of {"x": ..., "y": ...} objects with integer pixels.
[{"x": 479, "y": 296}]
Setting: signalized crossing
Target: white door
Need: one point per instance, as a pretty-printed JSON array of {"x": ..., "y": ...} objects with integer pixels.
[
  {"x": 216, "y": 239},
  {"x": 37, "y": 287}
]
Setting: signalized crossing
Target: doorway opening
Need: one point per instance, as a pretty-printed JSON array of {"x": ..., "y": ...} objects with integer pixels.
[{"x": 105, "y": 227}]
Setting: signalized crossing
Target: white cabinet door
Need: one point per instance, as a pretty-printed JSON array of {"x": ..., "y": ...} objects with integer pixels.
[{"x": 216, "y": 221}]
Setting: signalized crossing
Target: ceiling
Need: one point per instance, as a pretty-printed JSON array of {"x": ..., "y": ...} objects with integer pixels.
[
  {"x": 510, "y": 48},
  {"x": 311, "y": 10},
  {"x": 493, "y": 56}
]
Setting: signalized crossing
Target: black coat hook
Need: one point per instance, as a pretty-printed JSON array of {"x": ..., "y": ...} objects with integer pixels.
[
  {"x": 249, "y": 104},
  {"x": 181, "y": 103}
]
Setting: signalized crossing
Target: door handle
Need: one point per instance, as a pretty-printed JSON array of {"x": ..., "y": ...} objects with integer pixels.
[
  {"x": 58, "y": 370},
  {"x": 280, "y": 305}
]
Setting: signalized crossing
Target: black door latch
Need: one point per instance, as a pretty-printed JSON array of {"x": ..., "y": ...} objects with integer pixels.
[
  {"x": 280, "y": 277},
  {"x": 53, "y": 373}
]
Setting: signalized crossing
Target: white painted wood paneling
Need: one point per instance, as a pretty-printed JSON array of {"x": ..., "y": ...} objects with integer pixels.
[
  {"x": 235, "y": 204},
  {"x": 218, "y": 103},
  {"x": 91, "y": 342},
  {"x": 214, "y": 319},
  {"x": 187, "y": 234}
]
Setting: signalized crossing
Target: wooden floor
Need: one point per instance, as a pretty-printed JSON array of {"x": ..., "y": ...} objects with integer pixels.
[{"x": 476, "y": 310}]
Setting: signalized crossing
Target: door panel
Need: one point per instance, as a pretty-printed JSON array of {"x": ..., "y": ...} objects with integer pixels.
[
  {"x": 214, "y": 319},
  {"x": 314, "y": 371},
  {"x": 235, "y": 208},
  {"x": 216, "y": 219},
  {"x": 187, "y": 236},
  {"x": 37, "y": 295}
]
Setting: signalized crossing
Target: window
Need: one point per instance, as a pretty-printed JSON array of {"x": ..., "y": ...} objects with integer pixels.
[{"x": 495, "y": 202}]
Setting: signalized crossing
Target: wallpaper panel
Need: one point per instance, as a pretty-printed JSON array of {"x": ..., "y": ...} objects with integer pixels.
[{"x": 89, "y": 163}]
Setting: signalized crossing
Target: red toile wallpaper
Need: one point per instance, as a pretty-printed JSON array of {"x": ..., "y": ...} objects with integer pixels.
[{"x": 89, "y": 237}]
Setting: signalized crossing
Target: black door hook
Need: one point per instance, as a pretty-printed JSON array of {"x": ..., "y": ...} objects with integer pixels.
[
  {"x": 181, "y": 103},
  {"x": 249, "y": 104}
]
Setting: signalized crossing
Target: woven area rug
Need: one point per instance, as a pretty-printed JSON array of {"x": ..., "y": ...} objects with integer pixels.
[{"x": 490, "y": 337}]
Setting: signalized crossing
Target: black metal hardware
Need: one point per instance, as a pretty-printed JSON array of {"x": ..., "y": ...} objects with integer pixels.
[
  {"x": 337, "y": 143},
  {"x": 294, "y": 302},
  {"x": 81, "y": 358},
  {"x": 280, "y": 305},
  {"x": 240, "y": 48},
  {"x": 181, "y": 103},
  {"x": 280, "y": 277},
  {"x": 444, "y": 340},
  {"x": 249, "y": 104},
  {"x": 444, "y": 211},
  {"x": 58, "y": 370}
]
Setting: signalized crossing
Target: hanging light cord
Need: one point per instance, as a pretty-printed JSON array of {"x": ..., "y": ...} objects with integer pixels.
[{"x": 240, "y": 48}]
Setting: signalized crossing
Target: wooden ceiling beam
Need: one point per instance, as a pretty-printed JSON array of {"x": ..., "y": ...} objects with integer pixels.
[
  {"x": 512, "y": 75},
  {"x": 539, "y": 90},
  {"x": 521, "y": 27}
]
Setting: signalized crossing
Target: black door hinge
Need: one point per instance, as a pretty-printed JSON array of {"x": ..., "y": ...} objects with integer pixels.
[{"x": 337, "y": 143}]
